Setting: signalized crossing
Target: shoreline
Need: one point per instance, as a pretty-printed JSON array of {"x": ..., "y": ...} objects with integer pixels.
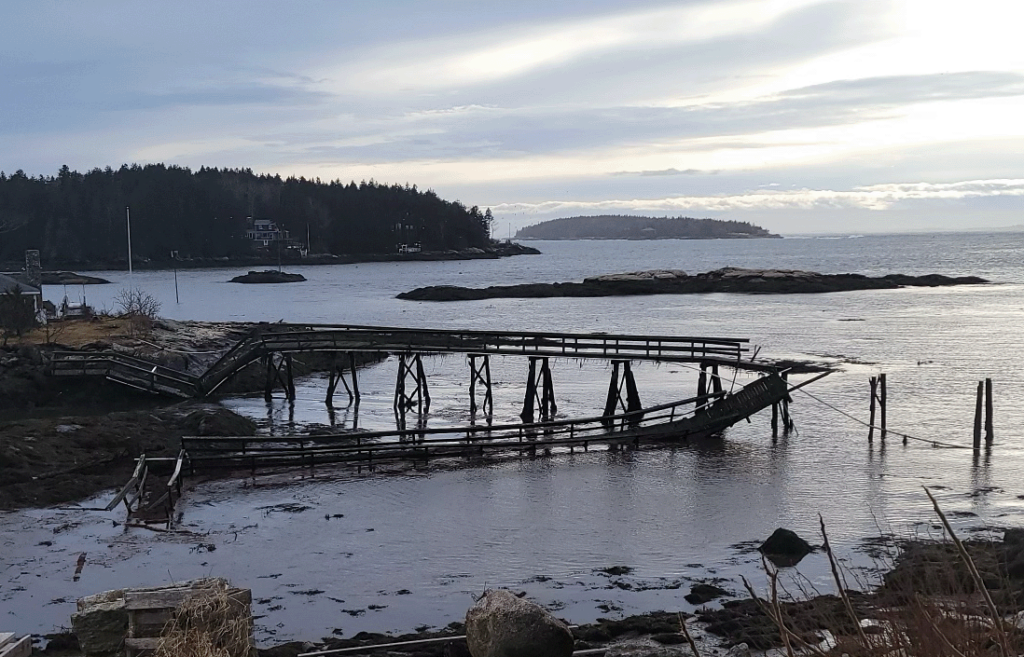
[
  {"x": 503, "y": 250},
  {"x": 920, "y": 577}
]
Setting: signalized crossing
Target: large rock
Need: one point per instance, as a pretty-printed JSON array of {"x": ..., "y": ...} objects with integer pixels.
[
  {"x": 218, "y": 422},
  {"x": 101, "y": 628},
  {"x": 503, "y": 625},
  {"x": 785, "y": 548}
]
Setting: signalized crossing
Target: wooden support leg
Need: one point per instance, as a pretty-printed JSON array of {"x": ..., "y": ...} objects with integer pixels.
[
  {"x": 632, "y": 393},
  {"x": 482, "y": 374},
  {"x": 400, "y": 384},
  {"x": 332, "y": 383},
  {"x": 787, "y": 419},
  {"x": 531, "y": 392},
  {"x": 988, "y": 411},
  {"x": 422, "y": 393},
  {"x": 548, "y": 406},
  {"x": 702, "y": 385},
  {"x": 355, "y": 380},
  {"x": 633, "y": 403},
  {"x": 873, "y": 381},
  {"x": 268, "y": 386},
  {"x": 488, "y": 397},
  {"x": 611, "y": 402},
  {"x": 881, "y": 401},
  {"x": 716, "y": 380},
  {"x": 775, "y": 420},
  {"x": 472, "y": 384},
  {"x": 977, "y": 415},
  {"x": 290, "y": 389}
]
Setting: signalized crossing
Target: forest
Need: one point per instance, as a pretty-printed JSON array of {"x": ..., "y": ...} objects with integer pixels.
[
  {"x": 77, "y": 217},
  {"x": 623, "y": 227}
]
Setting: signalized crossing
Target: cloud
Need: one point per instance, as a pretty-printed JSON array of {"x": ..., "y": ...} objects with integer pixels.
[
  {"x": 511, "y": 52},
  {"x": 871, "y": 197},
  {"x": 663, "y": 172}
]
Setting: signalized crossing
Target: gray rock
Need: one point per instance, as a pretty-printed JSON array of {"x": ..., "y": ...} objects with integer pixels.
[
  {"x": 101, "y": 628},
  {"x": 645, "y": 648},
  {"x": 500, "y": 624},
  {"x": 739, "y": 650}
]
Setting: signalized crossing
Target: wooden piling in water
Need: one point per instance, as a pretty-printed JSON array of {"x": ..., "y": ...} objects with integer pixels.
[
  {"x": 988, "y": 412},
  {"x": 873, "y": 382},
  {"x": 979, "y": 399},
  {"x": 702, "y": 385},
  {"x": 881, "y": 401}
]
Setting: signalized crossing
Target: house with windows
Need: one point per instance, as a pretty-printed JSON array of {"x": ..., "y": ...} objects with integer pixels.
[{"x": 264, "y": 232}]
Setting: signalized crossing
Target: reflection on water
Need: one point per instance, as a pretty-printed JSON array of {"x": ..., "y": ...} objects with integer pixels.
[{"x": 390, "y": 551}]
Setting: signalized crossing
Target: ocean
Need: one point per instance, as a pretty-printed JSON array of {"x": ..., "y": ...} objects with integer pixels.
[{"x": 347, "y": 551}]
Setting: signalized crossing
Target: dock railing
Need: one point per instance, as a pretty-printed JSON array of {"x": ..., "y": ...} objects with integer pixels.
[
  {"x": 295, "y": 338},
  {"x": 375, "y": 446}
]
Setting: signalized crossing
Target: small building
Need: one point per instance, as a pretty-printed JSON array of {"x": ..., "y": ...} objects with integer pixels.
[
  {"x": 264, "y": 232},
  {"x": 31, "y": 297}
]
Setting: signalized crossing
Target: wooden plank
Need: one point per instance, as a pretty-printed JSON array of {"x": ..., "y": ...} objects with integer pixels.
[
  {"x": 20, "y": 648},
  {"x": 5, "y": 638},
  {"x": 172, "y": 598},
  {"x": 141, "y": 643}
]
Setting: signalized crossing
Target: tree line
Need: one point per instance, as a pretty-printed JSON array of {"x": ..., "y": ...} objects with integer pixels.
[{"x": 80, "y": 217}]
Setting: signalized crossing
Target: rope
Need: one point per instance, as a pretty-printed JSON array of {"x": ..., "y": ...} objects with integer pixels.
[{"x": 905, "y": 436}]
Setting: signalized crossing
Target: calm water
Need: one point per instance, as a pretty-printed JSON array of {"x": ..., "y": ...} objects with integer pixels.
[{"x": 412, "y": 547}]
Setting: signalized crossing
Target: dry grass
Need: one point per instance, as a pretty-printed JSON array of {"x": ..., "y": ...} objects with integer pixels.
[
  {"x": 76, "y": 332},
  {"x": 209, "y": 624},
  {"x": 960, "y": 622}
]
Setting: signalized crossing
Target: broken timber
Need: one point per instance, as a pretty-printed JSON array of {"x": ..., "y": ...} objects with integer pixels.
[
  {"x": 148, "y": 499},
  {"x": 653, "y": 425}
]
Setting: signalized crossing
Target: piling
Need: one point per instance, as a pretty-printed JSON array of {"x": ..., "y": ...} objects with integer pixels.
[
  {"x": 988, "y": 412},
  {"x": 873, "y": 382},
  {"x": 977, "y": 415},
  {"x": 881, "y": 401}
]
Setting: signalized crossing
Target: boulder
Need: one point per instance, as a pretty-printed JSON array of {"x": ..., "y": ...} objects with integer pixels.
[
  {"x": 500, "y": 624},
  {"x": 101, "y": 628},
  {"x": 218, "y": 422},
  {"x": 645, "y": 648},
  {"x": 785, "y": 548},
  {"x": 701, "y": 593}
]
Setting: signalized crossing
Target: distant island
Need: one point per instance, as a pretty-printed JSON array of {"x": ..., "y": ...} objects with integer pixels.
[{"x": 624, "y": 227}]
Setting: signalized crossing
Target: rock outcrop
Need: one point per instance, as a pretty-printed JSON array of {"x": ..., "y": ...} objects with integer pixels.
[
  {"x": 785, "y": 548},
  {"x": 503, "y": 625},
  {"x": 727, "y": 279},
  {"x": 269, "y": 276}
]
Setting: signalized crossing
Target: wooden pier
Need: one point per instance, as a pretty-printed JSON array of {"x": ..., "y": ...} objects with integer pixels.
[{"x": 625, "y": 423}]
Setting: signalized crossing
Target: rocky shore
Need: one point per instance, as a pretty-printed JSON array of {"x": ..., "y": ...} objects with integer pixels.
[
  {"x": 64, "y": 439},
  {"x": 729, "y": 279},
  {"x": 973, "y": 601},
  {"x": 497, "y": 250}
]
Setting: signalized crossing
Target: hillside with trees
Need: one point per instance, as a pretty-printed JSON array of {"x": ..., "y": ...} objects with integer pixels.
[
  {"x": 77, "y": 217},
  {"x": 625, "y": 227}
]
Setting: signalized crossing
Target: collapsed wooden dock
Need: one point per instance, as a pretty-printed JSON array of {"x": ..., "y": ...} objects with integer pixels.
[{"x": 625, "y": 422}]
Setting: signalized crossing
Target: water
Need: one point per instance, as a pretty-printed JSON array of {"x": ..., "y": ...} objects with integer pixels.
[{"x": 441, "y": 535}]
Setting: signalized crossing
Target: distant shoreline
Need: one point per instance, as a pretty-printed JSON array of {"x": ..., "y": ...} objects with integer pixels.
[{"x": 503, "y": 250}]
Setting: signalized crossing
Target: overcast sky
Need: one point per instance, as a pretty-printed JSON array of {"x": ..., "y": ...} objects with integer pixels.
[{"x": 843, "y": 116}]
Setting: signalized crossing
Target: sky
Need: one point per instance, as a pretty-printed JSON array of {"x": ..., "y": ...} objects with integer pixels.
[{"x": 802, "y": 116}]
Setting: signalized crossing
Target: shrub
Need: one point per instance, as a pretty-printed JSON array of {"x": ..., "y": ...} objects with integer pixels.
[{"x": 139, "y": 308}]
